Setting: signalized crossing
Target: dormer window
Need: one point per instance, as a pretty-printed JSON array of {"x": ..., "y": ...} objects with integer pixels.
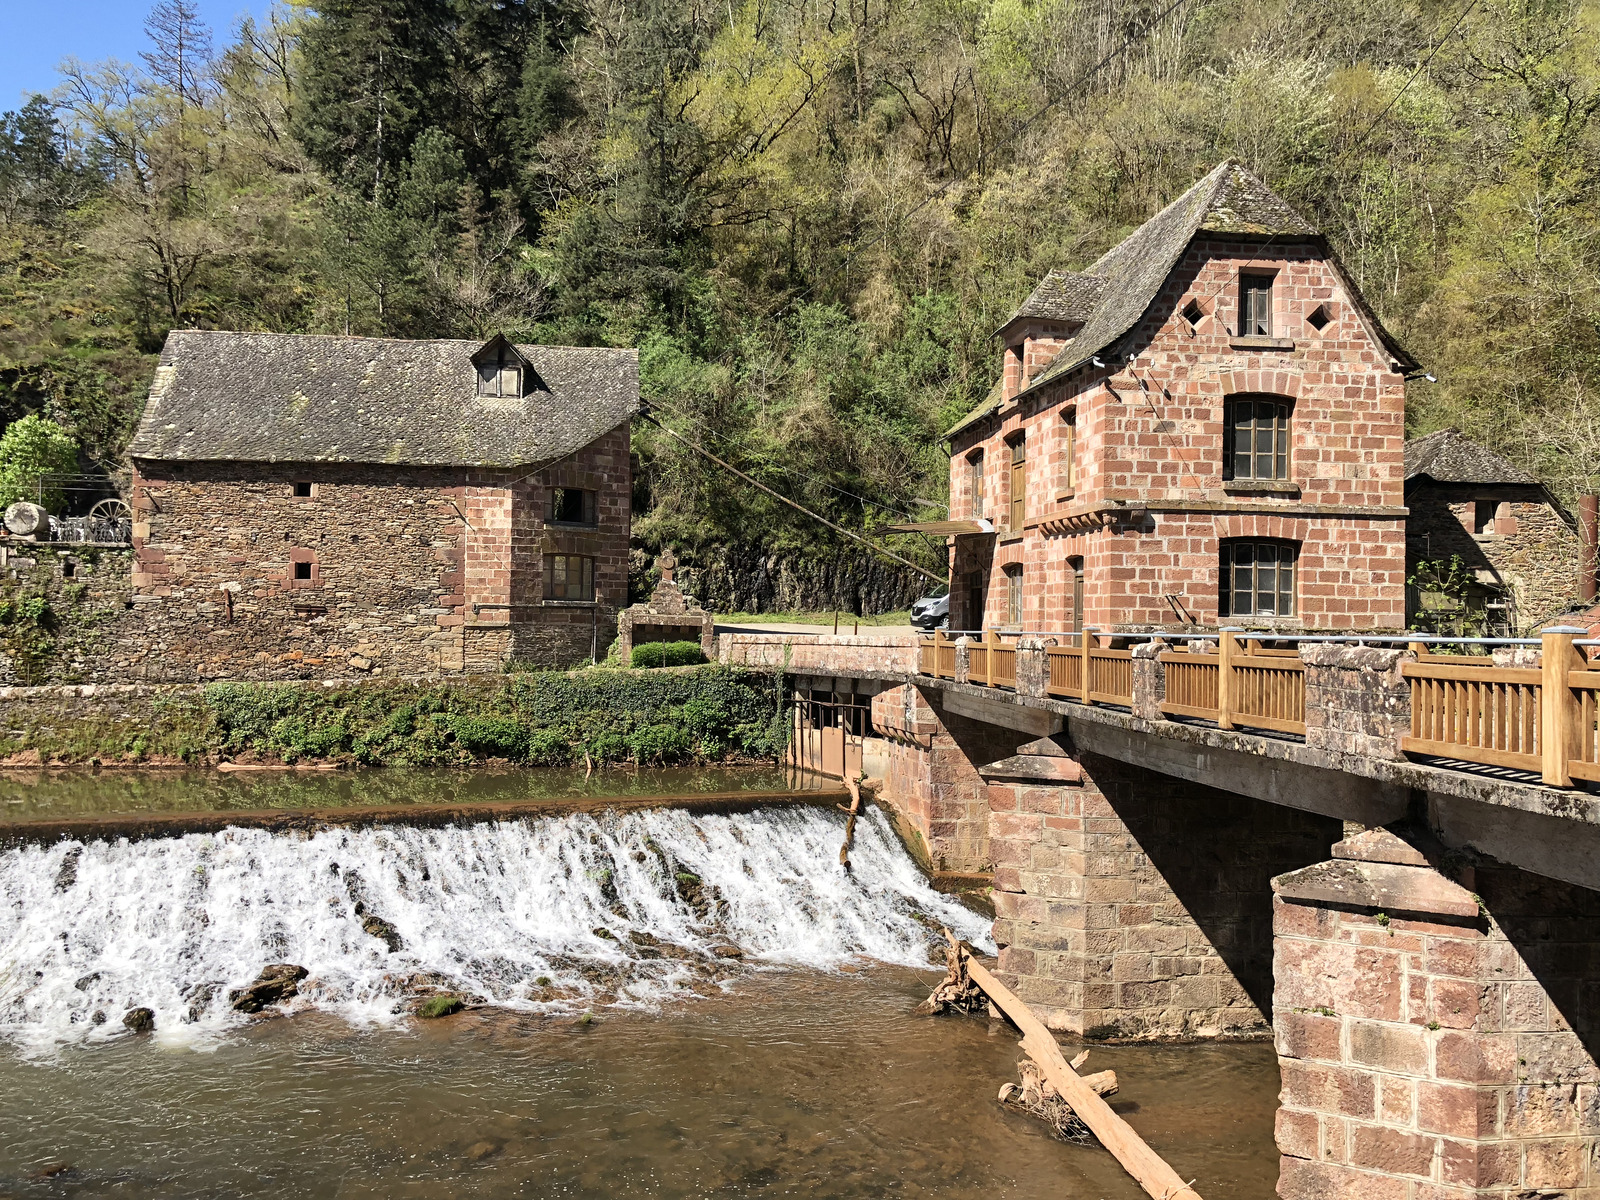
[
  {"x": 500, "y": 369},
  {"x": 1255, "y": 306}
]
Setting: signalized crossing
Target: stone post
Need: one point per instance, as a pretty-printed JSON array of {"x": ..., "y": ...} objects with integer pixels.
[
  {"x": 1432, "y": 1046},
  {"x": 1149, "y": 680},
  {"x": 1033, "y": 669},
  {"x": 963, "y": 658},
  {"x": 1357, "y": 702}
]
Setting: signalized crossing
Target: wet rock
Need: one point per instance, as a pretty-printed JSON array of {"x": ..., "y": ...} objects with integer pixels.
[
  {"x": 482, "y": 1150},
  {"x": 99, "y": 1017},
  {"x": 85, "y": 982},
  {"x": 726, "y": 951},
  {"x": 68, "y": 874},
  {"x": 140, "y": 1020},
  {"x": 383, "y": 931},
  {"x": 276, "y": 983},
  {"x": 435, "y": 1007},
  {"x": 52, "y": 1171},
  {"x": 200, "y": 997},
  {"x": 600, "y": 931}
]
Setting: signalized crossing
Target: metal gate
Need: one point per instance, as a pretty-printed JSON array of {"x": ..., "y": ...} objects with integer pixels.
[{"x": 828, "y": 731}]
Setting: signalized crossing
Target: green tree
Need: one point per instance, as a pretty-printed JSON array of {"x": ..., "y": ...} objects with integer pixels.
[{"x": 30, "y": 450}]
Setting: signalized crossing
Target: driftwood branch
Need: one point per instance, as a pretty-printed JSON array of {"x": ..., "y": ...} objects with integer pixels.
[
  {"x": 850, "y": 825},
  {"x": 1147, "y": 1167}
]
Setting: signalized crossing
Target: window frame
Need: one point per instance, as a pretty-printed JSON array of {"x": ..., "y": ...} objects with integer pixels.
[
  {"x": 1014, "y": 594},
  {"x": 1281, "y": 452},
  {"x": 494, "y": 373},
  {"x": 1285, "y": 562},
  {"x": 1069, "y": 445},
  {"x": 1075, "y": 567},
  {"x": 585, "y": 581},
  {"x": 1017, "y": 499},
  {"x": 588, "y": 507},
  {"x": 975, "y": 483},
  {"x": 310, "y": 492},
  {"x": 1255, "y": 303}
]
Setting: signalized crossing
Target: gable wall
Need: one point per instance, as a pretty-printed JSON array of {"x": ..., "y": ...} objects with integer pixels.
[
  {"x": 1160, "y": 446},
  {"x": 400, "y": 558}
]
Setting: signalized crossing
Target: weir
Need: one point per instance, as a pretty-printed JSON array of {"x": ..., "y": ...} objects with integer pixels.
[{"x": 1420, "y": 937}]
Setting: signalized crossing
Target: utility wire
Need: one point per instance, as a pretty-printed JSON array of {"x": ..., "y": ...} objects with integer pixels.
[{"x": 779, "y": 496}]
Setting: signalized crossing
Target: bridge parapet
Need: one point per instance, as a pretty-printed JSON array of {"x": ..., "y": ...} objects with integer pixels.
[{"x": 861, "y": 655}]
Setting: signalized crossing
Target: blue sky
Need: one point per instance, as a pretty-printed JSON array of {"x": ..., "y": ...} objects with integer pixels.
[{"x": 35, "y": 35}]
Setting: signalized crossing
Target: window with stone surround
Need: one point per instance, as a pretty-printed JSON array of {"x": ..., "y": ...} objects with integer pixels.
[
  {"x": 1069, "y": 451},
  {"x": 975, "y": 472},
  {"x": 302, "y": 488},
  {"x": 1019, "y": 479},
  {"x": 1014, "y": 594},
  {"x": 1255, "y": 444},
  {"x": 1255, "y": 305},
  {"x": 568, "y": 577},
  {"x": 1257, "y": 577},
  {"x": 1075, "y": 617},
  {"x": 1484, "y": 513},
  {"x": 572, "y": 506}
]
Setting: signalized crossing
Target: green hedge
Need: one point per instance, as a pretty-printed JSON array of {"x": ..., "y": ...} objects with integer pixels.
[{"x": 667, "y": 654}]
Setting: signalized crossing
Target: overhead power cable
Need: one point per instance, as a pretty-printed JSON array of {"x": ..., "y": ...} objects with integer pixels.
[{"x": 798, "y": 507}]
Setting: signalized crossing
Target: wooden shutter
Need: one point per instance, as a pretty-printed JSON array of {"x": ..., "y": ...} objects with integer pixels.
[{"x": 1019, "y": 482}]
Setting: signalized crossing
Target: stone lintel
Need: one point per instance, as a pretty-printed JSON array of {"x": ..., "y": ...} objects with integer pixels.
[{"x": 1387, "y": 887}]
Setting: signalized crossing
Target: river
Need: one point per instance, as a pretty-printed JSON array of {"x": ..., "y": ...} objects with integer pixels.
[{"x": 661, "y": 1003}]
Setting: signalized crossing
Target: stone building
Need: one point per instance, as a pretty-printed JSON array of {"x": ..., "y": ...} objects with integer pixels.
[
  {"x": 1206, "y": 425},
  {"x": 1488, "y": 546},
  {"x": 309, "y": 505}
]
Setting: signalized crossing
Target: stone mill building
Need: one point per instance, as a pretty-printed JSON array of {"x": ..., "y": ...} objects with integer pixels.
[{"x": 312, "y": 505}]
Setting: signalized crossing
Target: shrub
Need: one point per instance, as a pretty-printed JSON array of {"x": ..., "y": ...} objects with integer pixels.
[
  {"x": 490, "y": 737},
  {"x": 660, "y": 744},
  {"x": 668, "y": 654},
  {"x": 29, "y": 448},
  {"x": 547, "y": 748}
]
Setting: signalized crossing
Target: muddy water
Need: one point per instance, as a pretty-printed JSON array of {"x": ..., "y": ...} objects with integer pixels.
[
  {"x": 40, "y": 795},
  {"x": 798, "y": 1083}
]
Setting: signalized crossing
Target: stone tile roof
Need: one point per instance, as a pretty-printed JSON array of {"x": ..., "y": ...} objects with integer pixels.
[
  {"x": 1229, "y": 200},
  {"x": 1447, "y": 457},
  {"x": 272, "y": 397},
  {"x": 1061, "y": 296}
]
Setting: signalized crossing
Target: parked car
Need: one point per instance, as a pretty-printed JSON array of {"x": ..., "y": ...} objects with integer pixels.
[{"x": 932, "y": 611}]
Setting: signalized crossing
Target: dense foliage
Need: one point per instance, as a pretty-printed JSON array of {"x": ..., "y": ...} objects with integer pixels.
[
  {"x": 810, "y": 219},
  {"x": 703, "y": 714}
]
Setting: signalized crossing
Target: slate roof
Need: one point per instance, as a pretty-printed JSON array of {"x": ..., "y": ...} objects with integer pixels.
[
  {"x": 1229, "y": 200},
  {"x": 1447, "y": 457},
  {"x": 274, "y": 397},
  {"x": 1061, "y": 296}
]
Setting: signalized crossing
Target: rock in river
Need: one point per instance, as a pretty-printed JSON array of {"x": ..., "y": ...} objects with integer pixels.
[
  {"x": 139, "y": 1020},
  {"x": 276, "y": 983}
]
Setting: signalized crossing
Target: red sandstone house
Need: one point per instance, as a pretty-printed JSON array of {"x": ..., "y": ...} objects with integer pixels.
[
  {"x": 308, "y": 505},
  {"x": 1204, "y": 427}
]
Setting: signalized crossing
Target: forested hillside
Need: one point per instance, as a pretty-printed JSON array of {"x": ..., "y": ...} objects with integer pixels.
[{"x": 810, "y": 217}]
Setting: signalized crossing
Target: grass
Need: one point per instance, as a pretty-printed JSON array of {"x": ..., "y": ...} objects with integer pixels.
[{"x": 846, "y": 620}]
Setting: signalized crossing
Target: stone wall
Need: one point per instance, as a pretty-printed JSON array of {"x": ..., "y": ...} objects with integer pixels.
[
  {"x": 932, "y": 783},
  {"x": 1530, "y": 546},
  {"x": 88, "y": 594},
  {"x": 1430, "y": 1049},
  {"x": 821, "y": 653},
  {"x": 724, "y": 579},
  {"x": 389, "y": 570},
  {"x": 1134, "y": 905},
  {"x": 1357, "y": 702}
]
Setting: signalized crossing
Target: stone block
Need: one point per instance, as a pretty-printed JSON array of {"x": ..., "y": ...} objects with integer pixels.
[
  {"x": 1393, "y": 1049},
  {"x": 1391, "y": 1151}
]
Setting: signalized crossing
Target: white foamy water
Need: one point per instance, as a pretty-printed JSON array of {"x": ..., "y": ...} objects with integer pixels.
[{"x": 513, "y": 913}]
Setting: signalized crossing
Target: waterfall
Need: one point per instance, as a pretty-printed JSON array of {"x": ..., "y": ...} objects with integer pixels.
[{"x": 553, "y": 914}]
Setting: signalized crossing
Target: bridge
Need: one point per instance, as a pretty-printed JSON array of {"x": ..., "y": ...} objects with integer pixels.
[{"x": 1386, "y": 851}]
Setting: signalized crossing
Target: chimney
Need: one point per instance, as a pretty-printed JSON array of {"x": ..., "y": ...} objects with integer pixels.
[
  {"x": 1011, "y": 380},
  {"x": 1589, "y": 550}
]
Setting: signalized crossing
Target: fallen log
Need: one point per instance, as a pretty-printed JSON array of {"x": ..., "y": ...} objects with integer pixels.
[
  {"x": 1147, "y": 1167},
  {"x": 850, "y": 824},
  {"x": 1039, "y": 1096}
]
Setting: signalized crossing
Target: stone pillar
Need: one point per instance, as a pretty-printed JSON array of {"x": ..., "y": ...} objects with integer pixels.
[
  {"x": 932, "y": 787},
  {"x": 1149, "y": 679},
  {"x": 1132, "y": 905},
  {"x": 1357, "y": 702},
  {"x": 1436, "y": 1038}
]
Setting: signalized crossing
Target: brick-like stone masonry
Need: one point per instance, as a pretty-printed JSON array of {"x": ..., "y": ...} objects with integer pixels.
[
  {"x": 1429, "y": 1052},
  {"x": 411, "y": 570},
  {"x": 1134, "y": 905}
]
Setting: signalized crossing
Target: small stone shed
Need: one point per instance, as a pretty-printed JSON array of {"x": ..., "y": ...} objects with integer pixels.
[
  {"x": 1518, "y": 547},
  {"x": 310, "y": 505}
]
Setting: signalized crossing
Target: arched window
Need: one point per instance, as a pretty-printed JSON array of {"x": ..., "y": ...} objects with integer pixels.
[{"x": 1255, "y": 445}]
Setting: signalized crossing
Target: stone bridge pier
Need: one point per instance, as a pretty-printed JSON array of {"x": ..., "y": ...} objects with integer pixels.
[{"x": 1436, "y": 1012}]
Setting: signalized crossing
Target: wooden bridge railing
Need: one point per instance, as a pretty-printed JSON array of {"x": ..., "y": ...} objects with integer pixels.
[{"x": 1543, "y": 720}]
